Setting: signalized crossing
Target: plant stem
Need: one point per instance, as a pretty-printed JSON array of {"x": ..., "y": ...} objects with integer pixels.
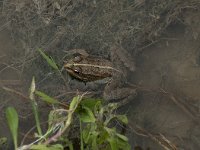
[
  {"x": 81, "y": 134},
  {"x": 35, "y": 107}
]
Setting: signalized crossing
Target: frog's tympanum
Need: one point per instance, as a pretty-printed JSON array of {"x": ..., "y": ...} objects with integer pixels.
[{"x": 88, "y": 68}]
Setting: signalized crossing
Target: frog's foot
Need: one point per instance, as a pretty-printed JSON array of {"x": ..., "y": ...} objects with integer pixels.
[{"x": 125, "y": 94}]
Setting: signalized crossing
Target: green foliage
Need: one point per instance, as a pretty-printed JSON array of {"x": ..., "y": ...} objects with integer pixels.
[
  {"x": 122, "y": 118},
  {"x": 74, "y": 103},
  {"x": 35, "y": 106},
  {"x": 96, "y": 133},
  {"x": 116, "y": 140},
  {"x": 95, "y": 120},
  {"x": 45, "y": 147},
  {"x": 46, "y": 98},
  {"x": 86, "y": 115},
  {"x": 49, "y": 60},
  {"x": 13, "y": 121},
  {"x": 53, "y": 64}
]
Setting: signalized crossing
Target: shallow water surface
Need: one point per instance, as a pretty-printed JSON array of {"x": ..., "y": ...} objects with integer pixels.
[{"x": 167, "y": 78}]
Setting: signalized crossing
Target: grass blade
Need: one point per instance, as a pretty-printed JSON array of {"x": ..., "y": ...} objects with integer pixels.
[
  {"x": 74, "y": 103},
  {"x": 35, "y": 106},
  {"x": 122, "y": 118},
  {"x": 49, "y": 60},
  {"x": 47, "y": 98},
  {"x": 53, "y": 64},
  {"x": 81, "y": 135},
  {"x": 13, "y": 121}
]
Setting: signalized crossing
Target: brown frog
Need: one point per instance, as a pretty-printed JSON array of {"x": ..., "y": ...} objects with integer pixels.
[{"x": 87, "y": 68}]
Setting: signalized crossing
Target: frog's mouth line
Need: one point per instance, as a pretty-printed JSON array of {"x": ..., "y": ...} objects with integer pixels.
[{"x": 68, "y": 65}]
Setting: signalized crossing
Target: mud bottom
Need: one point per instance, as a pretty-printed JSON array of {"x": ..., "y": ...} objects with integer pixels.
[{"x": 168, "y": 75}]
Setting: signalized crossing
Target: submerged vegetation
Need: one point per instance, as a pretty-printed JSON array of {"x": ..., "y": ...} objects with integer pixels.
[
  {"x": 75, "y": 120},
  {"x": 94, "y": 120}
]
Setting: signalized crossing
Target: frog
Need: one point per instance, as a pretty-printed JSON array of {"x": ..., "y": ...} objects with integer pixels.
[{"x": 91, "y": 68}]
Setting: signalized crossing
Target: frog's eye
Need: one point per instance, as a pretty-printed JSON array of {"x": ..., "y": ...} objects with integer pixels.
[
  {"x": 77, "y": 58},
  {"x": 77, "y": 70}
]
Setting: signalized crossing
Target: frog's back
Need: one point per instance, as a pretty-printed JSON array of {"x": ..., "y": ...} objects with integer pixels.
[
  {"x": 90, "y": 68},
  {"x": 96, "y": 68}
]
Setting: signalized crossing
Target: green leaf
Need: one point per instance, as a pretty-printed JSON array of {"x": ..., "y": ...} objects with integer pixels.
[
  {"x": 53, "y": 118},
  {"x": 110, "y": 107},
  {"x": 13, "y": 121},
  {"x": 86, "y": 115},
  {"x": 45, "y": 147},
  {"x": 119, "y": 139},
  {"x": 49, "y": 60},
  {"x": 86, "y": 135},
  {"x": 122, "y": 118},
  {"x": 74, "y": 103},
  {"x": 90, "y": 138},
  {"x": 88, "y": 131},
  {"x": 66, "y": 143},
  {"x": 90, "y": 102},
  {"x": 56, "y": 147},
  {"x": 93, "y": 137},
  {"x": 122, "y": 137},
  {"x": 112, "y": 138},
  {"x": 46, "y": 98},
  {"x": 111, "y": 131},
  {"x": 113, "y": 143},
  {"x": 123, "y": 145},
  {"x": 39, "y": 147},
  {"x": 70, "y": 145},
  {"x": 103, "y": 136},
  {"x": 118, "y": 144}
]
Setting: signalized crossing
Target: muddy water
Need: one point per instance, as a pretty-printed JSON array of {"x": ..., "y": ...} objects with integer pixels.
[
  {"x": 10, "y": 77},
  {"x": 6, "y": 75},
  {"x": 169, "y": 102},
  {"x": 168, "y": 79}
]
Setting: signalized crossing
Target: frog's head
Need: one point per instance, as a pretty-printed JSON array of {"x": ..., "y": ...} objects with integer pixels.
[{"x": 73, "y": 67}]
